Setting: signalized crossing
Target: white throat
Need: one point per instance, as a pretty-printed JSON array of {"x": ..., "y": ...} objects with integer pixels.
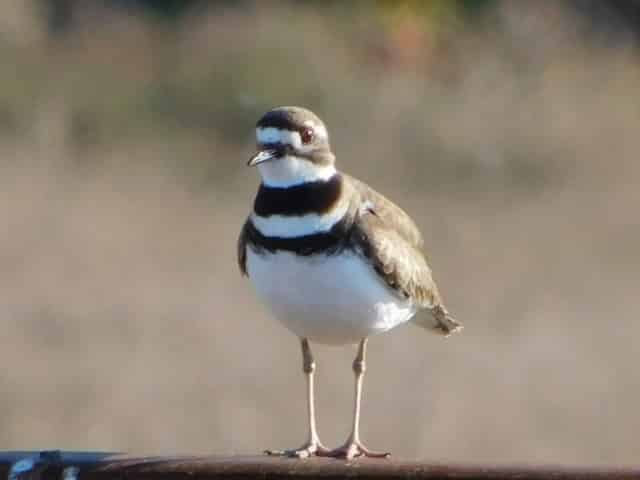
[{"x": 290, "y": 170}]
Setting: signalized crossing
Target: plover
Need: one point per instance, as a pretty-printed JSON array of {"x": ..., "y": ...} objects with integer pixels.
[{"x": 334, "y": 260}]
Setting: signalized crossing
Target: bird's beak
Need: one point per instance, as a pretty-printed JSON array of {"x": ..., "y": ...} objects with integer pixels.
[{"x": 263, "y": 156}]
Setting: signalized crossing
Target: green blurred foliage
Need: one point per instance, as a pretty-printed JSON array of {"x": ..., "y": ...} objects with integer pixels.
[{"x": 117, "y": 75}]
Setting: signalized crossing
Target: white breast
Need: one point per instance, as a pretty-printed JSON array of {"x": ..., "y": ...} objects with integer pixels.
[{"x": 334, "y": 299}]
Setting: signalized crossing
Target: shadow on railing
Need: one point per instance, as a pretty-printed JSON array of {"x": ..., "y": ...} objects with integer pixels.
[{"x": 59, "y": 465}]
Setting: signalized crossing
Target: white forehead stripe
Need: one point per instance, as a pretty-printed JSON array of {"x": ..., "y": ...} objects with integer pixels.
[
  {"x": 289, "y": 227},
  {"x": 278, "y": 135}
]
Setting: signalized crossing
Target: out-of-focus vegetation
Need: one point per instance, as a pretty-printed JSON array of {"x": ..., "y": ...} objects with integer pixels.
[
  {"x": 507, "y": 129},
  {"x": 113, "y": 70}
]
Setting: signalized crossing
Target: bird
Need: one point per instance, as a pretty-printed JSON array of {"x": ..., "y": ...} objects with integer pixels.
[{"x": 335, "y": 261}]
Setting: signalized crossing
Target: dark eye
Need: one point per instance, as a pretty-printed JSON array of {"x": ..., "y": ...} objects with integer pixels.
[{"x": 306, "y": 135}]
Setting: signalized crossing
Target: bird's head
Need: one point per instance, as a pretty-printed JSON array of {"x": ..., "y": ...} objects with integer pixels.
[{"x": 293, "y": 148}]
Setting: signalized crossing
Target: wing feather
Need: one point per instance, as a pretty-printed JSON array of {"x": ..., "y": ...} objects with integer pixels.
[
  {"x": 392, "y": 242},
  {"x": 242, "y": 248},
  {"x": 401, "y": 264},
  {"x": 390, "y": 214}
]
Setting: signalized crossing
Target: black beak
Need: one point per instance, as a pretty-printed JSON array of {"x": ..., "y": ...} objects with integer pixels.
[{"x": 265, "y": 155}]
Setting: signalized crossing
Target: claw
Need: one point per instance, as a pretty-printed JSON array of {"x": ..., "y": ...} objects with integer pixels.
[
  {"x": 308, "y": 450},
  {"x": 351, "y": 450}
]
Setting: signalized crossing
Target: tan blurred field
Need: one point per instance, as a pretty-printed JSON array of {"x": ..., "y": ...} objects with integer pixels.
[{"x": 126, "y": 326}]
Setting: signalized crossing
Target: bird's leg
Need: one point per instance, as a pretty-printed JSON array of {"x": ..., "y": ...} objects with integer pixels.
[
  {"x": 308, "y": 367},
  {"x": 353, "y": 447},
  {"x": 313, "y": 446}
]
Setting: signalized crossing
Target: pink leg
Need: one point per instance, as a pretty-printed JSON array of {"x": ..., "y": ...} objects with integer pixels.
[
  {"x": 312, "y": 446},
  {"x": 353, "y": 447}
]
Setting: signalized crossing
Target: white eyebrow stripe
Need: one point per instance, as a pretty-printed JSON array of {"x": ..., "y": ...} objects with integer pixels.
[{"x": 278, "y": 135}]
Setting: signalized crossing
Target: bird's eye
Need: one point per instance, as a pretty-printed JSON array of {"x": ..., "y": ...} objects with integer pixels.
[{"x": 306, "y": 135}]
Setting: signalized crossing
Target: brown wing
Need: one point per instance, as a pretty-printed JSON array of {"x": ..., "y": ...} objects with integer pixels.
[
  {"x": 242, "y": 248},
  {"x": 400, "y": 263},
  {"x": 389, "y": 213},
  {"x": 390, "y": 239}
]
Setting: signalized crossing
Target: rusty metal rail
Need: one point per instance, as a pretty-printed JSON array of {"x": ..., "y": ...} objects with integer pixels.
[{"x": 57, "y": 465}]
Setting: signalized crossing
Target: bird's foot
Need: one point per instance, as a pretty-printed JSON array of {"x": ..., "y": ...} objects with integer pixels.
[
  {"x": 353, "y": 449},
  {"x": 309, "y": 449}
]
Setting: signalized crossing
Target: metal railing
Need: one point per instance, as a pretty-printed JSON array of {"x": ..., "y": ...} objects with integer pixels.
[{"x": 58, "y": 465}]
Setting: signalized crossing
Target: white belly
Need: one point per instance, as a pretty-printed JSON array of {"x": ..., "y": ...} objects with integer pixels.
[{"x": 335, "y": 300}]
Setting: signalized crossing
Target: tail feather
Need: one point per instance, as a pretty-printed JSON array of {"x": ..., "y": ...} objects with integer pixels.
[{"x": 440, "y": 321}]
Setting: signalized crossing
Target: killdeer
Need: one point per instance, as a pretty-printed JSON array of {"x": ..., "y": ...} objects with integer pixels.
[{"x": 334, "y": 260}]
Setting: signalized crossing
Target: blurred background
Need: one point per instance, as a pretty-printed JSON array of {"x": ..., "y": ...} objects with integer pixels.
[{"x": 508, "y": 130}]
